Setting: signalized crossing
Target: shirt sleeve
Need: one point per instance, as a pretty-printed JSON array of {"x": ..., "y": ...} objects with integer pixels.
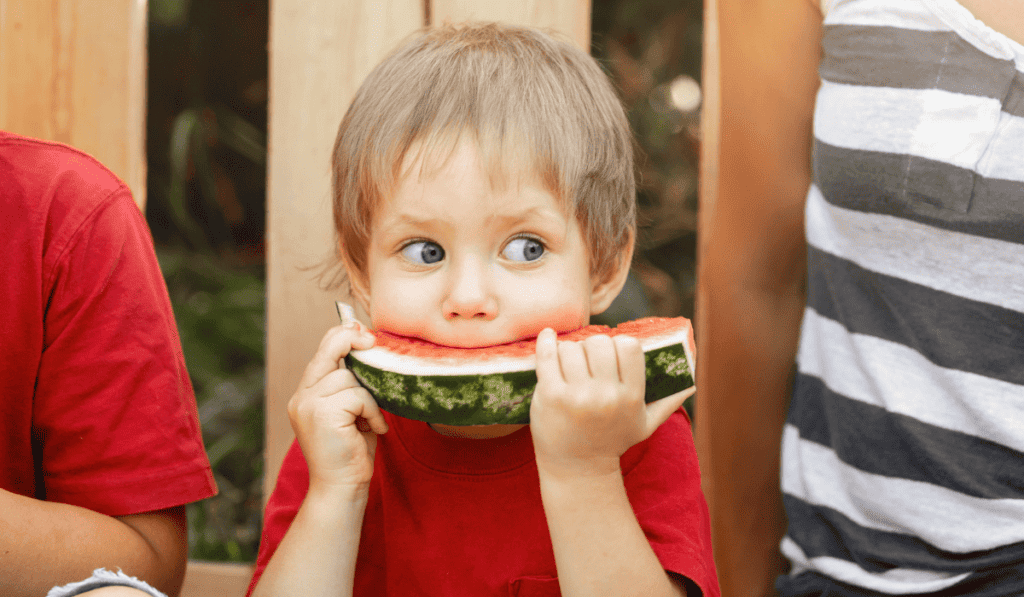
[
  {"x": 116, "y": 428},
  {"x": 662, "y": 481}
]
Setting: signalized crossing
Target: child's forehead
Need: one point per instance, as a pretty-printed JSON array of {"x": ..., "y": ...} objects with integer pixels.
[
  {"x": 461, "y": 186},
  {"x": 504, "y": 160},
  {"x": 501, "y": 169}
]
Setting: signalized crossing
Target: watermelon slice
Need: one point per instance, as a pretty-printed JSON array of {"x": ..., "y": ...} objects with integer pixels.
[{"x": 416, "y": 379}]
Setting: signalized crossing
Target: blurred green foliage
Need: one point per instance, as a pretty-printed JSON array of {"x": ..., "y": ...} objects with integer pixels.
[
  {"x": 207, "y": 170},
  {"x": 206, "y": 146},
  {"x": 220, "y": 314},
  {"x": 652, "y": 51}
]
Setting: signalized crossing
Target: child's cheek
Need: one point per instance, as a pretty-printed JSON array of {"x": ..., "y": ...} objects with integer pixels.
[{"x": 561, "y": 320}]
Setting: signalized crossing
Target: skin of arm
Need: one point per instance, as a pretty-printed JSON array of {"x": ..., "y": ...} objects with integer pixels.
[
  {"x": 116, "y": 592},
  {"x": 336, "y": 422},
  {"x": 46, "y": 544},
  {"x": 753, "y": 277},
  {"x": 588, "y": 409}
]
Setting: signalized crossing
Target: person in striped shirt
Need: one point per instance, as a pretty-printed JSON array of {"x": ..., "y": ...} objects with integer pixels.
[{"x": 864, "y": 279}]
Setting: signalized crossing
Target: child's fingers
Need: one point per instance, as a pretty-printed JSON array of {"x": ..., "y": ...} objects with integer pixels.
[
  {"x": 630, "y": 357},
  {"x": 309, "y": 412},
  {"x": 336, "y": 381},
  {"x": 369, "y": 413},
  {"x": 601, "y": 357},
  {"x": 660, "y": 410},
  {"x": 336, "y": 344},
  {"x": 548, "y": 366},
  {"x": 573, "y": 359}
]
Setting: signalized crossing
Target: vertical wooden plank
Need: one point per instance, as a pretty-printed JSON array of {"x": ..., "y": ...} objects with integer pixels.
[
  {"x": 74, "y": 71},
  {"x": 319, "y": 54},
  {"x": 710, "y": 117},
  {"x": 569, "y": 17},
  {"x": 711, "y": 112}
]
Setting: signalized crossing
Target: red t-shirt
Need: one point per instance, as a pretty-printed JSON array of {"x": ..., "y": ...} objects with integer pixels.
[
  {"x": 449, "y": 516},
  {"x": 96, "y": 408}
]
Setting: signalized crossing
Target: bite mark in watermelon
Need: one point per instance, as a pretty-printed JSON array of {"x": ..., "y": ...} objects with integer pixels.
[{"x": 416, "y": 379}]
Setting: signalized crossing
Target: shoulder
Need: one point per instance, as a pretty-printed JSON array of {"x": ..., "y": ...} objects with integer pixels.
[
  {"x": 37, "y": 158},
  {"x": 43, "y": 175},
  {"x": 55, "y": 193},
  {"x": 820, "y": 6},
  {"x": 747, "y": 25}
]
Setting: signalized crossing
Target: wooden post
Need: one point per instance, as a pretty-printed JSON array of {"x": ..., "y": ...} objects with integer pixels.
[
  {"x": 710, "y": 117},
  {"x": 74, "y": 71},
  {"x": 568, "y": 17}
]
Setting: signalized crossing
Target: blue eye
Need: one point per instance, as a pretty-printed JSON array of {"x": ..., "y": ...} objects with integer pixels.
[
  {"x": 523, "y": 249},
  {"x": 423, "y": 251}
]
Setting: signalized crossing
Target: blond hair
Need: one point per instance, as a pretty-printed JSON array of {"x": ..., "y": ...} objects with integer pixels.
[{"x": 534, "y": 105}]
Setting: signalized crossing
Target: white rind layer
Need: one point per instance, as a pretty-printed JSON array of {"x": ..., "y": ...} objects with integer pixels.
[{"x": 382, "y": 358}]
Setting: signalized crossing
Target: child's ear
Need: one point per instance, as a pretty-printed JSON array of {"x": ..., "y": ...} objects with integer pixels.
[
  {"x": 357, "y": 282},
  {"x": 357, "y": 287},
  {"x": 607, "y": 287}
]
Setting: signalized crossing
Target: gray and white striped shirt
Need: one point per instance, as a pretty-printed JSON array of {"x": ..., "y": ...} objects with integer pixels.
[{"x": 903, "y": 452}]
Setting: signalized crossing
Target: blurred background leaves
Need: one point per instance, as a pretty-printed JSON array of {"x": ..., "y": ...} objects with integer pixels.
[
  {"x": 652, "y": 50},
  {"x": 206, "y": 146},
  {"x": 206, "y": 152}
]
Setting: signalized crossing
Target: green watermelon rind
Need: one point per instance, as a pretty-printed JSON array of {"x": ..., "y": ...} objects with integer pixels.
[{"x": 497, "y": 398}]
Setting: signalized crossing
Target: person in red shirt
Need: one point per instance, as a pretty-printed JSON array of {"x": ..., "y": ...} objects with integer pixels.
[
  {"x": 99, "y": 434},
  {"x": 483, "y": 194}
]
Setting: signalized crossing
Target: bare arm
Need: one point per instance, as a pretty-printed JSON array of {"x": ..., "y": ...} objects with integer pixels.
[
  {"x": 752, "y": 276},
  {"x": 317, "y": 556},
  {"x": 115, "y": 591},
  {"x": 47, "y": 544},
  {"x": 599, "y": 546}
]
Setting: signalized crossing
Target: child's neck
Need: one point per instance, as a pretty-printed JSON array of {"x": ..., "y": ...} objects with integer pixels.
[{"x": 475, "y": 431}]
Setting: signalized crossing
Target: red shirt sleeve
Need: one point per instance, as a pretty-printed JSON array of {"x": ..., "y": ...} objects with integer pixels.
[{"x": 115, "y": 423}]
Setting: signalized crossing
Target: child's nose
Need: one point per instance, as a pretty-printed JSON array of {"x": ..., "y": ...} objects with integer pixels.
[{"x": 470, "y": 296}]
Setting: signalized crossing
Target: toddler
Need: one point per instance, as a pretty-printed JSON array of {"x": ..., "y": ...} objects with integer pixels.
[{"x": 483, "y": 194}]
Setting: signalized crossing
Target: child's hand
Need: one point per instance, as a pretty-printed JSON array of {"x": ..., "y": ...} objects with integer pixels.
[
  {"x": 334, "y": 418},
  {"x": 588, "y": 408}
]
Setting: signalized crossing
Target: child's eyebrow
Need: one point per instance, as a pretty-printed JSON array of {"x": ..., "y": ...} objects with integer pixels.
[
  {"x": 406, "y": 219},
  {"x": 533, "y": 213},
  {"x": 411, "y": 220},
  {"x": 401, "y": 222}
]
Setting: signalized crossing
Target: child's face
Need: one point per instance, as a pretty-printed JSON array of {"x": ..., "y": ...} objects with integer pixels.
[{"x": 457, "y": 263}]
